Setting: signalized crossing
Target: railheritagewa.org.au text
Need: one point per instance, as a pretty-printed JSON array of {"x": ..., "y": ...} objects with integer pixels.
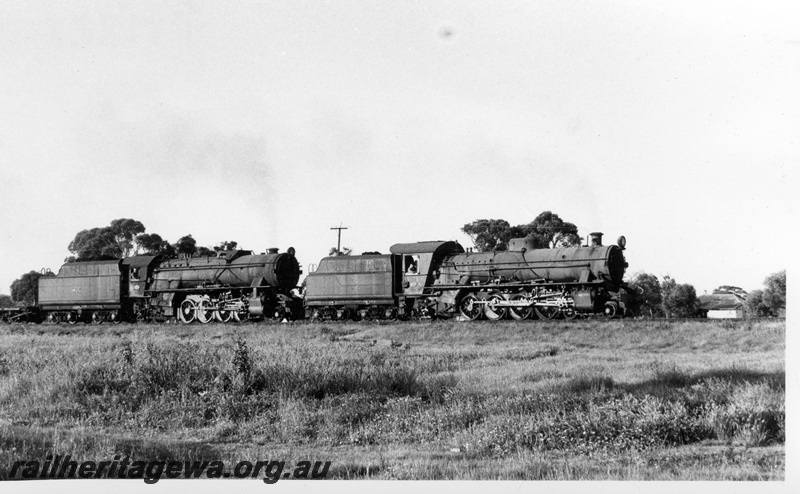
[{"x": 64, "y": 467}]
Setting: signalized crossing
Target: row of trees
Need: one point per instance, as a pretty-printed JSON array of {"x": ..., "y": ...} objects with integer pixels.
[
  {"x": 25, "y": 289},
  {"x": 666, "y": 298},
  {"x": 771, "y": 299},
  {"x": 125, "y": 237},
  {"x": 547, "y": 230}
]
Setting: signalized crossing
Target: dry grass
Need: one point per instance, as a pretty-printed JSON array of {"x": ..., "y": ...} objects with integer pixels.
[{"x": 577, "y": 400}]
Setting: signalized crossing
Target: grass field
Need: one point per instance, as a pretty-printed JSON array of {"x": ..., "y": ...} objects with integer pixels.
[{"x": 588, "y": 400}]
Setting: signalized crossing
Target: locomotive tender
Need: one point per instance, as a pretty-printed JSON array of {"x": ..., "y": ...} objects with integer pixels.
[
  {"x": 416, "y": 280},
  {"x": 441, "y": 279}
]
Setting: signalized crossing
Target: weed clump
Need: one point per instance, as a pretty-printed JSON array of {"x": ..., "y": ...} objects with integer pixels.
[
  {"x": 4, "y": 365},
  {"x": 242, "y": 363}
]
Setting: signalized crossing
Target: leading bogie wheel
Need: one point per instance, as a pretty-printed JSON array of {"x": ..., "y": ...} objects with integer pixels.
[
  {"x": 223, "y": 316},
  {"x": 241, "y": 315},
  {"x": 610, "y": 309},
  {"x": 547, "y": 312}
]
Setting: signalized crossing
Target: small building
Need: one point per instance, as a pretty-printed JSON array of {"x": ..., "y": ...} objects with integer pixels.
[{"x": 721, "y": 306}]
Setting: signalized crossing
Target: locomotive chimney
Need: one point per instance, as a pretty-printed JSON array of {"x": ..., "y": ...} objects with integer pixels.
[
  {"x": 272, "y": 250},
  {"x": 597, "y": 239}
]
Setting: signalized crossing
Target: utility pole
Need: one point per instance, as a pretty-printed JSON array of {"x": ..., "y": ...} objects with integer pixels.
[{"x": 339, "y": 241}]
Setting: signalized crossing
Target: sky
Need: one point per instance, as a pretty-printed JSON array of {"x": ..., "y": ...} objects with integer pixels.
[{"x": 675, "y": 124}]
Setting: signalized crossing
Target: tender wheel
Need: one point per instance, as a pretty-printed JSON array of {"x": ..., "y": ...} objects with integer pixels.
[
  {"x": 320, "y": 314},
  {"x": 72, "y": 318},
  {"x": 366, "y": 314},
  {"x": 328, "y": 313},
  {"x": 470, "y": 307},
  {"x": 491, "y": 310},
  {"x": 520, "y": 313},
  {"x": 187, "y": 312},
  {"x": 115, "y": 317},
  {"x": 610, "y": 309},
  {"x": 97, "y": 318},
  {"x": 547, "y": 312},
  {"x": 390, "y": 314},
  {"x": 342, "y": 314},
  {"x": 205, "y": 312}
]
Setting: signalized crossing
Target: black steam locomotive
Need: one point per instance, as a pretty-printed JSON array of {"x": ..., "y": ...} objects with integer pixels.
[
  {"x": 416, "y": 280},
  {"x": 441, "y": 279},
  {"x": 234, "y": 285}
]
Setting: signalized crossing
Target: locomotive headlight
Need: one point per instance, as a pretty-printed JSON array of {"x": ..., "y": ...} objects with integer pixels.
[{"x": 621, "y": 242}]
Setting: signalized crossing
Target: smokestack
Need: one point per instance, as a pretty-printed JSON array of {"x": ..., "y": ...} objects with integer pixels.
[
  {"x": 272, "y": 250},
  {"x": 597, "y": 239}
]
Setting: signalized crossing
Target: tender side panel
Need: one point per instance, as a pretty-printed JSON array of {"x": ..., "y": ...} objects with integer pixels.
[
  {"x": 87, "y": 285},
  {"x": 362, "y": 279}
]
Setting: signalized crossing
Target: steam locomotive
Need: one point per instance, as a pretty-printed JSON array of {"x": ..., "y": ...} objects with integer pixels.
[
  {"x": 441, "y": 279},
  {"x": 416, "y": 280},
  {"x": 235, "y": 285}
]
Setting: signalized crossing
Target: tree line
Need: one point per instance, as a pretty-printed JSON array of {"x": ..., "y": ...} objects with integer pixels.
[
  {"x": 667, "y": 298},
  {"x": 126, "y": 237},
  {"x": 769, "y": 301}
]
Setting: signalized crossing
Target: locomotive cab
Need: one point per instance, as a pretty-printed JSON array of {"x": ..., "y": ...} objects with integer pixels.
[
  {"x": 420, "y": 263},
  {"x": 415, "y": 272},
  {"x": 140, "y": 271}
]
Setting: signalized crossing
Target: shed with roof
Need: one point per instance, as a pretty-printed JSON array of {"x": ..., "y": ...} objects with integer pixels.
[{"x": 721, "y": 306}]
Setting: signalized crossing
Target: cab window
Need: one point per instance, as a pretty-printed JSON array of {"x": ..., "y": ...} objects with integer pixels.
[{"x": 412, "y": 265}]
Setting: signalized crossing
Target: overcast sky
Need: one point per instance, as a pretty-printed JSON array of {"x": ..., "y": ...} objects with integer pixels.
[{"x": 672, "y": 123}]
